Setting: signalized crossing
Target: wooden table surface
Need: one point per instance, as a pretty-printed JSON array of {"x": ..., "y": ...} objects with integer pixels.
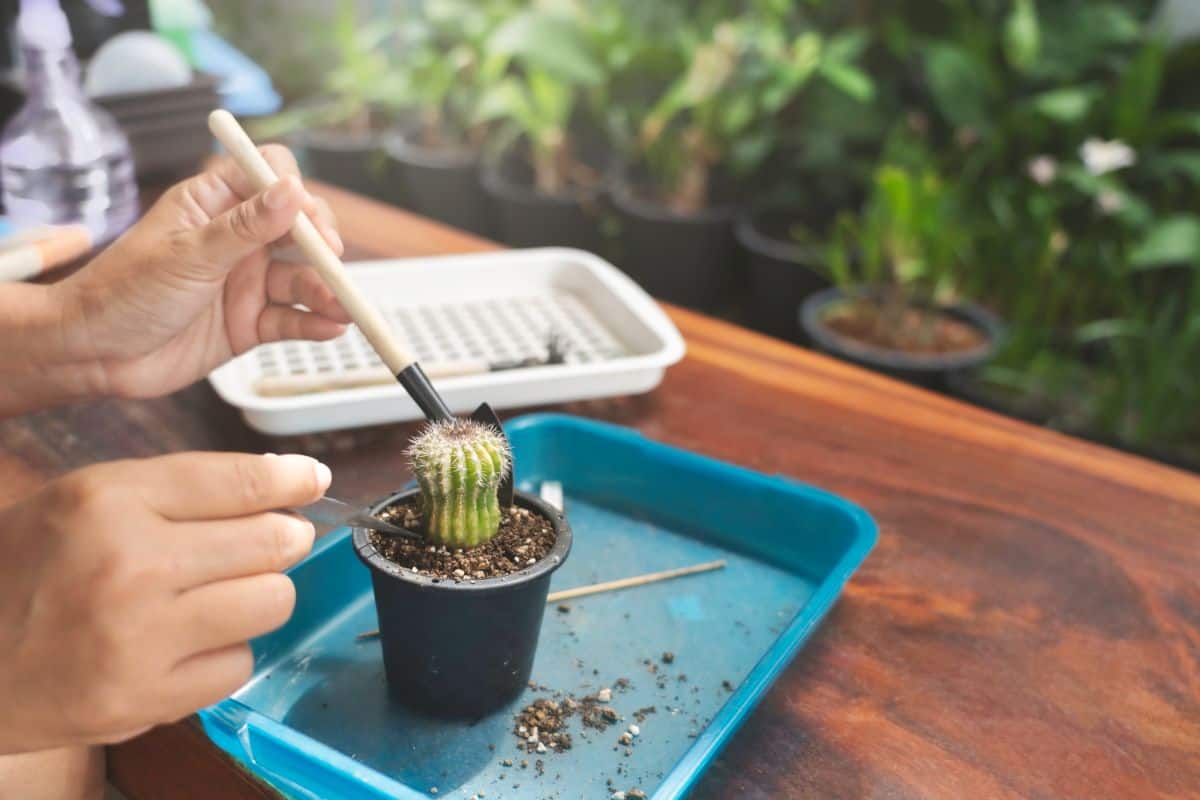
[{"x": 1027, "y": 626}]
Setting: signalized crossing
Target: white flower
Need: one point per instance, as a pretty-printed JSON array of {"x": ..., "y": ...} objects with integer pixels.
[
  {"x": 727, "y": 36},
  {"x": 1101, "y": 157},
  {"x": 1043, "y": 170},
  {"x": 1109, "y": 202}
]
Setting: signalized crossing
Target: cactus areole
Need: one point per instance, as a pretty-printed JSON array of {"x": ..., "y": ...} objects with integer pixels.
[{"x": 459, "y": 464}]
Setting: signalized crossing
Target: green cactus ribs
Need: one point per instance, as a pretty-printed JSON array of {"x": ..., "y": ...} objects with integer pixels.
[{"x": 459, "y": 465}]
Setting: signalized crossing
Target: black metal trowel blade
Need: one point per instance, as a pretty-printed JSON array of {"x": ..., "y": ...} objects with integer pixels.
[{"x": 487, "y": 415}]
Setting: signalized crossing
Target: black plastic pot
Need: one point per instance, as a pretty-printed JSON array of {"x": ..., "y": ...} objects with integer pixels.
[
  {"x": 782, "y": 273},
  {"x": 931, "y": 370},
  {"x": 439, "y": 183},
  {"x": 460, "y": 650},
  {"x": 682, "y": 258},
  {"x": 168, "y": 128},
  {"x": 351, "y": 161},
  {"x": 526, "y": 217}
]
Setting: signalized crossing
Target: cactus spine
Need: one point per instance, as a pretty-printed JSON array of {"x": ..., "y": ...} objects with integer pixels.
[{"x": 459, "y": 465}]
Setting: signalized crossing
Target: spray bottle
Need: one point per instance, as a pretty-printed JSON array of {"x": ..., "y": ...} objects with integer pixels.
[{"x": 63, "y": 160}]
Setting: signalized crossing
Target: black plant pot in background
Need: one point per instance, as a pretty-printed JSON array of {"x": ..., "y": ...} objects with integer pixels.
[
  {"x": 525, "y": 217},
  {"x": 442, "y": 184},
  {"x": 969, "y": 386},
  {"x": 167, "y": 128},
  {"x": 782, "y": 273},
  {"x": 682, "y": 258},
  {"x": 351, "y": 161},
  {"x": 930, "y": 370},
  {"x": 460, "y": 650}
]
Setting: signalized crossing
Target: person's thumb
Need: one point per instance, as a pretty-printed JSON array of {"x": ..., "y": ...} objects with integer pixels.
[{"x": 251, "y": 224}]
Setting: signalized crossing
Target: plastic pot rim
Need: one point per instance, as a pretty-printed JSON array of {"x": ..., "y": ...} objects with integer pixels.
[
  {"x": 813, "y": 308},
  {"x": 626, "y": 199},
  {"x": 203, "y": 84},
  {"x": 400, "y": 146},
  {"x": 331, "y": 140},
  {"x": 547, "y": 564},
  {"x": 496, "y": 184},
  {"x": 751, "y": 237}
]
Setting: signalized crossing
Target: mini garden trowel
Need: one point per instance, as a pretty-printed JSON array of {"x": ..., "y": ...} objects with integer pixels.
[
  {"x": 336, "y": 513},
  {"x": 372, "y": 324}
]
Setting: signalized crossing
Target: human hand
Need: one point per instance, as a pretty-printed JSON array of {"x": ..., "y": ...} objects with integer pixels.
[
  {"x": 193, "y": 283},
  {"x": 130, "y": 589}
]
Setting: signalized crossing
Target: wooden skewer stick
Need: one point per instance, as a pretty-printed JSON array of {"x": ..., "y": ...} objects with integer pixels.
[
  {"x": 637, "y": 580},
  {"x": 612, "y": 586}
]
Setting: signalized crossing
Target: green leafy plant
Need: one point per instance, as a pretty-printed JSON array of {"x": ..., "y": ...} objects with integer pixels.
[
  {"x": 440, "y": 72},
  {"x": 1145, "y": 391},
  {"x": 459, "y": 465},
  {"x": 295, "y": 49},
  {"x": 824, "y": 162},
  {"x": 537, "y": 63},
  {"x": 359, "y": 83},
  {"x": 1085, "y": 178},
  {"x": 903, "y": 254},
  {"x": 1127, "y": 379},
  {"x": 724, "y": 109}
]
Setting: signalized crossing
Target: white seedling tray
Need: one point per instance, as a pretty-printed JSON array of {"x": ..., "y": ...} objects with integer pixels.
[{"x": 459, "y": 314}]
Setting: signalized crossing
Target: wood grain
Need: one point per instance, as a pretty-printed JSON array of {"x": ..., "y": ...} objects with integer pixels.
[
  {"x": 1028, "y": 625},
  {"x": 192, "y": 769}
]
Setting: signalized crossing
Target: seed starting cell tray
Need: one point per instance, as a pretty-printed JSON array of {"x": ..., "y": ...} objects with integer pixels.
[
  {"x": 315, "y": 720},
  {"x": 482, "y": 326}
]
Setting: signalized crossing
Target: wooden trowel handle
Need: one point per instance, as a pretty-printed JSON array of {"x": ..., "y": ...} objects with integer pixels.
[{"x": 331, "y": 269}]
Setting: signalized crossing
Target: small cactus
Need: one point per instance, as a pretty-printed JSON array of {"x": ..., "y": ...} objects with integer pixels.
[{"x": 459, "y": 465}]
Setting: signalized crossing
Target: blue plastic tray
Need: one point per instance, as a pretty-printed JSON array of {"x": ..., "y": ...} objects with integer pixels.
[{"x": 314, "y": 721}]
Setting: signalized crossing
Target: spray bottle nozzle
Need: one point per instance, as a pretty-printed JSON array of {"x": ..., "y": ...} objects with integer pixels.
[{"x": 43, "y": 25}]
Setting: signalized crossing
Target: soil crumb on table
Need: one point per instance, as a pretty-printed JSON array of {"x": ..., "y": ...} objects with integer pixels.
[{"x": 524, "y": 539}]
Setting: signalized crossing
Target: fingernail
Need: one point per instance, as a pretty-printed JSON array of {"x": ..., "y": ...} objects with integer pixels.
[
  {"x": 302, "y": 538},
  {"x": 324, "y": 475},
  {"x": 271, "y": 454},
  {"x": 279, "y": 193}
]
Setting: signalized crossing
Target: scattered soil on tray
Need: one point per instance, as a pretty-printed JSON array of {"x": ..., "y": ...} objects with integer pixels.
[
  {"x": 916, "y": 331},
  {"x": 540, "y": 724},
  {"x": 524, "y": 539},
  {"x": 564, "y": 720},
  {"x": 540, "y": 727},
  {"x": 597, "y": 714}
]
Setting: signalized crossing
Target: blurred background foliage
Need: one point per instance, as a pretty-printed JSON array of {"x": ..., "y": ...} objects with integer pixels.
[{"x": 1064, "y": 137}]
